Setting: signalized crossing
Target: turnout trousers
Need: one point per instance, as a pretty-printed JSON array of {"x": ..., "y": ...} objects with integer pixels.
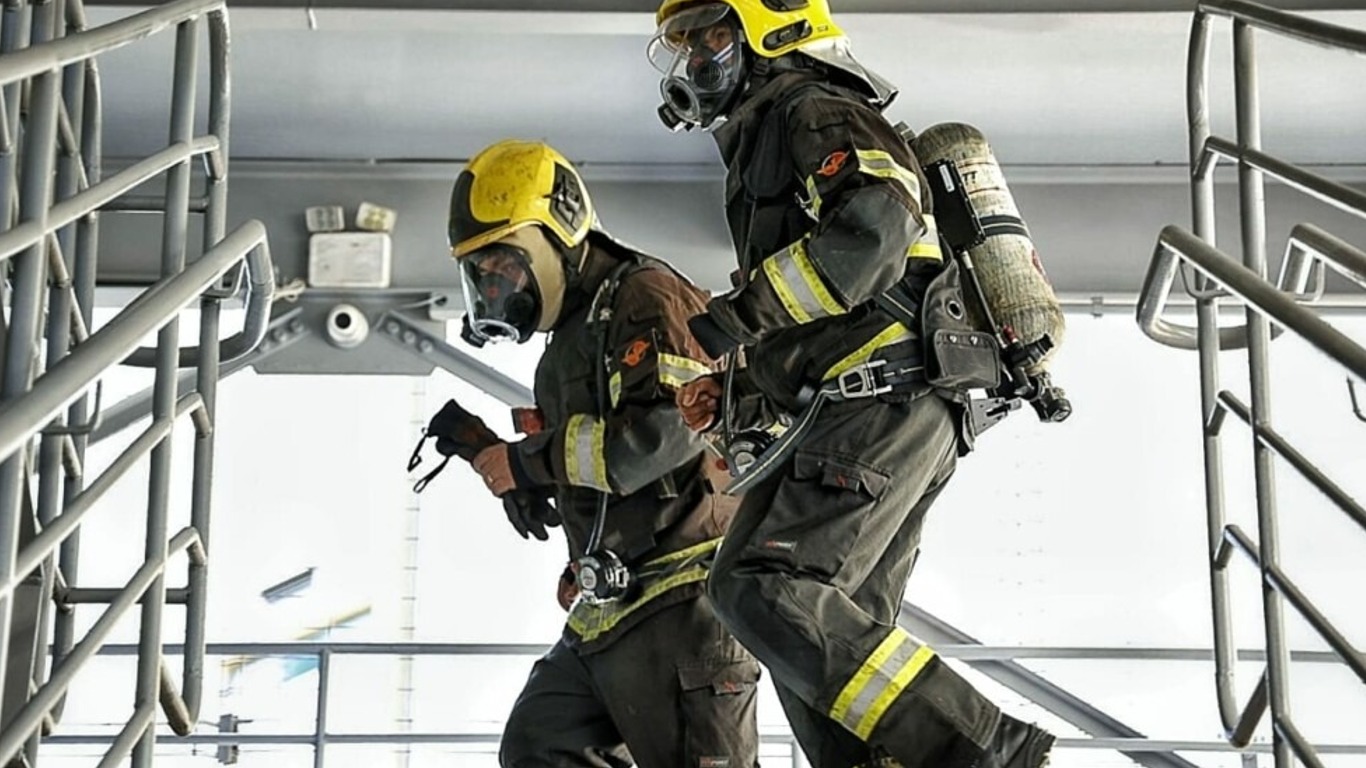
[
  {"x": 675, "y": 690},
  {"x": 811, "y": 576}
]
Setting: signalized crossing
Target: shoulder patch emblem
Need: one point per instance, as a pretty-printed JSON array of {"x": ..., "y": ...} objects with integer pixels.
[
  {"x": 635, "y": 353},
  {"x": 833, "y": 164}
]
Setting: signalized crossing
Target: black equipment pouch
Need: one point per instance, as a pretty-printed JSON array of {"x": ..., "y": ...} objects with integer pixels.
[{"x": 957, "y": 355}]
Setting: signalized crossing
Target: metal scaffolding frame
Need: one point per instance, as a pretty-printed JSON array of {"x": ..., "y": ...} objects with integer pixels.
[
  {"x": 995, "y": 661},
  {"x": 51, "y": 193},
  {"x": 1269, "y": 307}
]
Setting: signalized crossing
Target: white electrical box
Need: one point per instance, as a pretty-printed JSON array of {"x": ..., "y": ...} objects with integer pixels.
[{"x": 349, "y": 260}]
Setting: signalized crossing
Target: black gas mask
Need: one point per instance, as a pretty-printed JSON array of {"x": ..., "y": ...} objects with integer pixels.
[
  {"x": 502, "y": 299},
  {"x": 701, "y": 54}
]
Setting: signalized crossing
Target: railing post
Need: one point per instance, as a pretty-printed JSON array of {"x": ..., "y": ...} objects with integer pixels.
[
  {"x": 1252, "y": 214},
  {"x": 324, "y": 680},
  {"x": 30, "y": 276},
  {"x": 1207, "y": 323},
  {"x": 175, "y": 226}
]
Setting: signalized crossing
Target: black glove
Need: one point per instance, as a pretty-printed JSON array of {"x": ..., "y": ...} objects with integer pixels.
[
  {"x": 530, "y": 514},
  {"x": 458, "y": 433},
  {"x": 711, "y": 336}
]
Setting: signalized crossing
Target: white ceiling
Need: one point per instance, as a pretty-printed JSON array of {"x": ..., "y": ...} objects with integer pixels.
[{"x": 1051, "y": 89}]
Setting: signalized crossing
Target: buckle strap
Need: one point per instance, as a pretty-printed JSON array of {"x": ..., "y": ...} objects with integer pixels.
[{"x": 876, "y": 377}]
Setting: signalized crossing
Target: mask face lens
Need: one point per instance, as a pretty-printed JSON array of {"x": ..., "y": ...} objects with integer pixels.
[
  {"x": 699, "y": 53},
  {"x": 500, "y": 293}
]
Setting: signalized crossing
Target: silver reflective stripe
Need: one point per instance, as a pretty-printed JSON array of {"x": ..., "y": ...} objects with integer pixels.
[
  {"x": 584, "y": 462},
  {"x": 879, "y": 681},
  {"x": 799, "y": 286},
  {"x": 876, "y": 162}
]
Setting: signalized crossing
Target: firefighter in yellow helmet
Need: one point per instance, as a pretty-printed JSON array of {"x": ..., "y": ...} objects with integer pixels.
[
  {"x": 842, "y": 281},
  {"x": 644, "y": 672}
]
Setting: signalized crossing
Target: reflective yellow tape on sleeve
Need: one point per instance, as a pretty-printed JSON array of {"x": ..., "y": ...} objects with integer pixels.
[
  {"x": 676, "y": 370},
  {"x": 927, "y": 245},
  {"x": 799, "y": 286},
  {"x": 876, "y": 162},
  {"x": 614, "y": 388},
  {"x": 813, "y": 198},
  {"x": 584, "y": 460}
]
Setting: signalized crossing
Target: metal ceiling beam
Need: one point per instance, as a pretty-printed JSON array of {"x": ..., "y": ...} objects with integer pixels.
[{"x": 843, "y": 6}]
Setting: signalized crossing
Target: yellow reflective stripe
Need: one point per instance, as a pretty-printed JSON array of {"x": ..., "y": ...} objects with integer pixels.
[
  {"x": 676, "y": 370},
  {"x": 614, "y": 388},
  {"x": 798, "y": 285},
  {"x": 840, "y": 710},
  {"x": 892, "y": 334},
  {"x": 875, "y": 162},
  {"x": 593, "y": 620},
  {"x": 899, "y": 683},
  {"x": 927, "y": 246},
  {"x": 882, "y": 677},
  {"x": 584, "y": 461},
  {"x": 813, "y": 197},
  {"x": 685, "y": 554}
]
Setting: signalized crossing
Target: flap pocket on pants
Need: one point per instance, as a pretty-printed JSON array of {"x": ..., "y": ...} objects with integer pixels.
[
  {"x": 839, "y": 473},
  {"x": 722, "y": 677}
]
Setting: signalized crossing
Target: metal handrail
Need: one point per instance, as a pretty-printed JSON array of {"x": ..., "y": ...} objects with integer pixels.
[
  {"x": 1236, "y": 538},
  {"x": 29, "y": 718},
  {"x": 30, "y": 62},
  {"x": 61, "y": 385},
  {"x": 1308, "y": 249},
  {"x": 259, "y": 300},
  {"x": 93, "y": 198},
  {"x": 1176, "y": 244},
  {"x": 321, "y": 737},
  {"x": 1339, "y": 195},
  {"x": 1294, "y": 26},
  {"x": 1343, "y": 257},
  {"x": 59, "y": 76},
  {"x": 1268, "y": 308},
  {"x": 1268, "y": 436}
]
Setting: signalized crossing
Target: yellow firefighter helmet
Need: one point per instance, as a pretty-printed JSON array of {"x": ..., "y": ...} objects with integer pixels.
[
  {"x": 515, "y": 184},
  {"x": 772, "y": 27}
]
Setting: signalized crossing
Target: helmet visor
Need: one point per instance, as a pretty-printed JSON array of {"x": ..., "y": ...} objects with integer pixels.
[
  {"x": 500, "y": 293},
  {"x": 699, "y": 53}
]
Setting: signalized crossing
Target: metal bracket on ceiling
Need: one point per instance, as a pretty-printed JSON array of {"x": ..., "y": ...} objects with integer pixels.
[{"x": 401, "y": 330}]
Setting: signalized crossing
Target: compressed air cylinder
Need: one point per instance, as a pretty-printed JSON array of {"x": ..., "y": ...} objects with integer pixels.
[{"x": 1013, "y": 281}]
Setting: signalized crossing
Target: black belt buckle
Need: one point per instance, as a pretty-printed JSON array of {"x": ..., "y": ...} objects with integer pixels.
[{"x": 863, "y": 381}]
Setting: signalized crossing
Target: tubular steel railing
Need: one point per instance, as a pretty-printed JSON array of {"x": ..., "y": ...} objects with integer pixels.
[
  {"x": 51, "y": 193},
  {"x": 322, "y": 735},
  {"x": 1309, "y": 250}
]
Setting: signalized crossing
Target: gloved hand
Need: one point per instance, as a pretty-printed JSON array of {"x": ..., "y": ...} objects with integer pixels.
[
  {"x": 459, "y": 432},
  {"x": 530, "y": 514}
]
